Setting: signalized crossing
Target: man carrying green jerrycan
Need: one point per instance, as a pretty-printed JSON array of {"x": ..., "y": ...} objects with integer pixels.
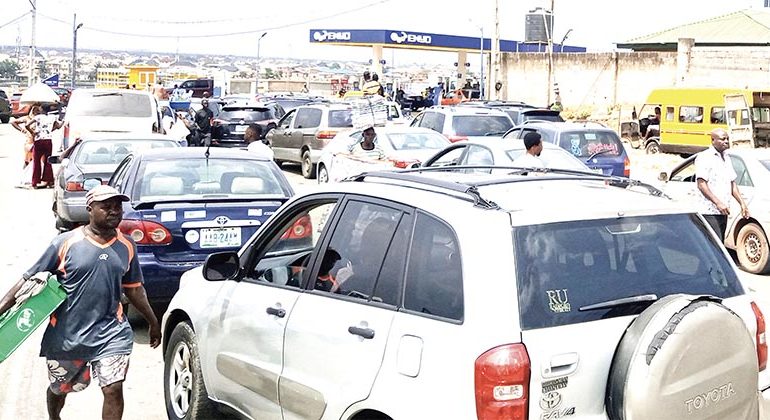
[{"x": 88, "y": 333}]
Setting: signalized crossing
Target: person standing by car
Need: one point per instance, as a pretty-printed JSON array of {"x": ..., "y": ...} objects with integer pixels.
[
  {"x": 42, "y": 126},
  {"x": 438, "y": 93},
  {"x": 716, "y": 181},
  {"x": 203, "y": 120},
  {"x": 367, "y": 146},
  {"x": 531, "y": 158},
  {"x": 89, "y": 333},
  {"x": 253, "y": 137},
  {"x": 20, "y": 124},
  {"x": 371, "y": 86}
]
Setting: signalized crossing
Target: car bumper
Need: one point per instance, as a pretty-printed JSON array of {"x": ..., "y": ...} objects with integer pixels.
[
  {"x": 161, "y": 278},
  {"x": 73, "y": 209}
]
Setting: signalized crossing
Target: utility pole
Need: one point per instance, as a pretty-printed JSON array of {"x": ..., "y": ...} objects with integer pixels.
[
  {"x": 481, "y": 60},
  {"x": 75, "y": 27},
  {"x": 549, "y": 35},
  {"x": 259, "y": 64},
  {"x": 495, "y": 59},
  {"x": 32, "y": 44}
]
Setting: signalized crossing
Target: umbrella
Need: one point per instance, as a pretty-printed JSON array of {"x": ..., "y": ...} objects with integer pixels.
[{"x": 39, "y": 92}]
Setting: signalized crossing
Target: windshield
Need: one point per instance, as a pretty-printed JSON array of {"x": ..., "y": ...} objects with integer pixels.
[
  {"x": 416, "y": 141},
  {"x": 562, "y": 267},
  {"x": 105, "y": 152},
  {"x": 552, "y": 158},
  {"x": 248, "y": 115},
  {"x": 341, "y": 118},
  {"x": 199, "y": 178},
  {"x": 480, "y": 125},
  {"x": 586, "y": 143},
  {"x": 107, "y": 104}
]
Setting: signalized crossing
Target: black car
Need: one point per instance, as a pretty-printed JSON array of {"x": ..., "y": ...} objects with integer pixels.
[
  {"x": 5, "y": 108},
  {"x": 289, "y": 102},
  {"x": 519, "y": 112},
  {"x": 231, "y": 124}
]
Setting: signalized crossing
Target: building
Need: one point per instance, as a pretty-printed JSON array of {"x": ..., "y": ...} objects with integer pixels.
[{"x": 111, "y": 78}]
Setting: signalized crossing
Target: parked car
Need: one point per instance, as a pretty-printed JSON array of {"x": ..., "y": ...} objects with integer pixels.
[
  {"x": 198, "y": 87},
  {"x": 464, "y": 123},
  {"x": 230, "y": 125},
  {"x": 5, "y": 108},
  {"x": 469, "y": 296},
  {"x": 187, "y": 203},
  {"x": 495, "y": 152},
  {"x": 519, "y": 112},
  {"x": 289, "y": 101},
  {"x": 90, "y": 162},
  {"x": 110, "y": 111},
  {"x": 17, "y": 109},
  {"x": 303, "y": 132},
  {"x": 401, "y": 147},
  {"x": 748, "y": 237},
  {"x": 600, "y": 148}
]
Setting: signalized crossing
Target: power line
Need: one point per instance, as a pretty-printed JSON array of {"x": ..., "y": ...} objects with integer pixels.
[
  {"x": 12, "y": 21},
  {"x": 218, "y": 35}
]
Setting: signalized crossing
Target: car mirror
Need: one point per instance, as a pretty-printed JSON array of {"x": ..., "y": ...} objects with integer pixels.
[
  {"x": 221, "y": 266},
  {"x": 54, "y": 160},
  {"x": 663, "y": 177},
  {"x": 90, "y": 183}
]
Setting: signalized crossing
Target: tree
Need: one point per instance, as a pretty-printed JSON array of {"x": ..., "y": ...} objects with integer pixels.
[
  {"x": 270, "y": 74},
  {"x": 8, "y": 69}
]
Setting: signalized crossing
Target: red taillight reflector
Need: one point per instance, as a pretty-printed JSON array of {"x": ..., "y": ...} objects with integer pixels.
[
  {"x": 403, "y": 164},
  {"x": 761, "y": 337},
  {"x": 74, "y": 186},
  {"x": 302, "y": 228},
  {"x": 325, "y": 135},
  {"x": 144, "y": 232},
  {"x": 455, "y": 139},
  {"x": 627, "y": 167},
  {"x": 502, "y": 383}
]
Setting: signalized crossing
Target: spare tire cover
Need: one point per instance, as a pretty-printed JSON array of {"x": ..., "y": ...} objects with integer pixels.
[{"x": 684, "y": 357}]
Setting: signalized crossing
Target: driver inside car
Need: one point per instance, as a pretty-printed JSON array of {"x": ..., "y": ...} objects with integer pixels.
[{"x": 326, "y": 280}]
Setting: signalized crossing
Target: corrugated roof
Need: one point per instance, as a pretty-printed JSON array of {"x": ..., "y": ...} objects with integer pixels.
[{"x": 744, "y": 27}]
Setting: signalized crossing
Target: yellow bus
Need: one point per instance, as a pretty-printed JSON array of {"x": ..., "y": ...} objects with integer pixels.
[{"x": 687, "y": 116}]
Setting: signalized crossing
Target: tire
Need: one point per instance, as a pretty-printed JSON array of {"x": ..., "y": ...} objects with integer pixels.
[
  {"x": 684, "y": 357},
  {"x": 652, "y": 147},
  {"x": 5, "y": 119},
  {"x": 323, "y": 174},
  {"x": 183, "y": 386},
  {"x": 64, "y": 225},
  {"x": 752, "y": 249},
  {"x": 308, "y": 169}
]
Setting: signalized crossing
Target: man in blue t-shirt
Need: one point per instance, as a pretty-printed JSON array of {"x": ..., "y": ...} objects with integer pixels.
[{"x": 88, "y": 334}]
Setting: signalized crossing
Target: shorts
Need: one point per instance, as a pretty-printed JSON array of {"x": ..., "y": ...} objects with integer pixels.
[{"x": 75, "y": 375}]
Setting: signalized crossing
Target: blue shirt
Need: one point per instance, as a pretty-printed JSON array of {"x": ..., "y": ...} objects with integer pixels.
[{"x": 90, "y": 323}]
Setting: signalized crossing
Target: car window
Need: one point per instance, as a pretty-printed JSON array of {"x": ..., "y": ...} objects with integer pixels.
[
  {"x": 451, "y": 157},
  {"x": 109, "y": 152},
  {"x": 669, "y": 113},
  {"x": 691, "y": 114},
  {"x": 111, "y": 104},
  {"x": 247, "y": 114},
  {"x": 417, "y": 121},
  {"x": 552, "y": 158},
  {"x": 340, "y": 118},
  {"x": 119, "y": 177},
  {"x": 718, "y": 115},
  {"x": 480, "y": 125},
  {"x": 287, "y": 254},
  {"x": 287, "y": 119},
  {"x": 744, "y": 178},
  {"x": 478, "y": 155},
  {"x": 354, "y": 258},
  {"x": 433, "y": 121},
  {"x": 562, "y": 268},
  {"x": 308, "y": 118},
  {"x": 513, "y": 134},
  {"x": 588, "y": 142},
  {"x": 685, "y": 173},
  {"x": 417, "y": 141},
  {"x": 188, "y": 84},
  {"x": 434, "y": 282}
]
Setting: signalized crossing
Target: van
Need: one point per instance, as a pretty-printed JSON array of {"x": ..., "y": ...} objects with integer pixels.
[
  {"x": 110, "y": 111},
  {"x": 688, "y": 115}
]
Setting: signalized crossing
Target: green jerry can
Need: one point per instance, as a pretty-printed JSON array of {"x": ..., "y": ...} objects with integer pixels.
[{"x": 17, "y": 325}]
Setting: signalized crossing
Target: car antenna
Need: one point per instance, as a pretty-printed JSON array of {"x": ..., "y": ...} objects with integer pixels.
[{"x": 207, "y": 153}]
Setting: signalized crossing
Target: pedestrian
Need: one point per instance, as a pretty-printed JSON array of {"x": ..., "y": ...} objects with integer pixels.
[
  {"x": 203, "y": 119},
  {"x": 133, "y": 87},
  {"x": 29, "y": 143},
  {"x": 438, "y": 93},
  {"x": 533, "y": 142},
  {"x": 715, "y": 177},
  {"x": 305, "y": 89},
  {"x": 253, "y": 138},
  {"x": 368, "y": 145},
  {"x": 370, "y": 87},
  {"x": 42, "y": 126},
  {"x": 376, "y": 79},
  {"x": 89, "y": 335}
]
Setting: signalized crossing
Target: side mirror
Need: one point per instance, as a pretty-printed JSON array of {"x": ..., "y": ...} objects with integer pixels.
[
  {"x": 54, "y": 160},
  {"x": 221, "y": 266},
  {"x": 663, "y": 177}
]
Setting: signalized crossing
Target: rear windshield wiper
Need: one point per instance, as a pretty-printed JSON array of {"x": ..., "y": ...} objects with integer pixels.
[
  {"x": 631, "y": 300},
  {"x": 100, "y": 95},
  {"x": 600, "y": 152},
  {"x": 495, "y": 133}
]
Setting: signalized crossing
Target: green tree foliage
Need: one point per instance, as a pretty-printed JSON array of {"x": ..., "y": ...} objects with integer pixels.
[{"x": 8, "y": 69}]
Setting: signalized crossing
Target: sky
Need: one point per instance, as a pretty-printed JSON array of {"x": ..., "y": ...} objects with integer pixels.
[{"x": 195, "y": 26}]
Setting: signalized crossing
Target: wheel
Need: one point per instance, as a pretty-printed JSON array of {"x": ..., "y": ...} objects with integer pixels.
[
  {"x": 661, "y": 371},
  {"x": 308, "y": 169},
  {"x": 183, "y": 386},
  {"x": 5, "y": 119},
  {"x": 64, "y": 225},
  {"x": 323, "y": 174},
  {"x": 652, "y": 148},
  {"x": 752, "y": 249}
]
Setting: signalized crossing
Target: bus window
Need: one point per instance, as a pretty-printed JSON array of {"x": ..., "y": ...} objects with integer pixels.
[
  {"x": 669, "y": 113},
  {"x": 718, "y": 115},
  {"x": 691, "y": 114},
  {"x": 760, "y": 114}
]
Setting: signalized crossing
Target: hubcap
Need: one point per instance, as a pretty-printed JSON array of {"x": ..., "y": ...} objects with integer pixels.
[
  {"x": 307, "y": 166},
  {"x": 753, "y": 247},
  {"x": 323, "y": 176},
  {"x": 180, "y": 380}
]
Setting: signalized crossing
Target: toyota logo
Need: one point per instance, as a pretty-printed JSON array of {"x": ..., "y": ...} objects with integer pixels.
[
  {"x": 550, "y": 400},
  {"x": 222, "y": 220}
]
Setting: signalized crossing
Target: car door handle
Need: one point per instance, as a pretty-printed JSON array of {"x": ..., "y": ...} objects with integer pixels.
[
  {"x": 280, "y": 313},
  {"x": 366, "y": 333}
]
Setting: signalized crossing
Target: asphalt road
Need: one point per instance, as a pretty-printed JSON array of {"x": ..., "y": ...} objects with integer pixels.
[{"x": 27, "y": 221}]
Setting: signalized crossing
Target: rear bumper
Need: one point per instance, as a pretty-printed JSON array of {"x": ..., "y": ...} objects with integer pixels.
[
  {"x": 161, "y": 279},
  {"x": 73, "y": 209}
]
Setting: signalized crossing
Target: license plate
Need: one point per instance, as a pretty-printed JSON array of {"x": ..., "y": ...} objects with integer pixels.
[
  {"x": 598, "y": 170},
  {"x": 240, "y": 128},
  {"x": 220, "y": 238}
]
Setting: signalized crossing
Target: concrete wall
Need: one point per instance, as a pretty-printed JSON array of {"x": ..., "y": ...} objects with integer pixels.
[{"x": 603, "y": 80}]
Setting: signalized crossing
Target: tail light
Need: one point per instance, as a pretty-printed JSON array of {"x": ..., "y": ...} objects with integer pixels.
[
  {"x": 66, "y": 139},
  {"x": 302, "y": 228},
  {"x": 325, "y": 135},
  {"x": 626, "y": 167},
  {"x": 761, "y": 337},
  {"x": 74, "y": 186},
  {"x": 502, "y": 383},
  {"x": 455, "y": 139},
  {"x": 403, "y": 164},
  {"x": 144, "y": 232}
]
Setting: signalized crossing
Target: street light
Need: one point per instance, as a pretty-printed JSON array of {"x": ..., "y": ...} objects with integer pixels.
[
  {"x": 259, "y": 41},
  {"x": 75, "y": 27},
  {"x": 563, "y": 40}
]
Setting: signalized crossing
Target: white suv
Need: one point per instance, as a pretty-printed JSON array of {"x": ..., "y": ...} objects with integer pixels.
[
  {"x": 464, "y": 122},
  {"x": 427, "y": 294}
]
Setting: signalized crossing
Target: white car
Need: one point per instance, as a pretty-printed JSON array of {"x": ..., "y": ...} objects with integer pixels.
[
  {"x": 747, "y": 237},
  {"x": 469, "y": 296},
  {"x": 401, "y": 147}
]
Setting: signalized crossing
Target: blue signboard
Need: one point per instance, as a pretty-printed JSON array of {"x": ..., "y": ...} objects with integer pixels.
[
  {"x": 52, "y": 81},
  {"x": 422, "y": 40}
]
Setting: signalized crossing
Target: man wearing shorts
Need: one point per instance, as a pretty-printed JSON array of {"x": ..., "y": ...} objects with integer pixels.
[{"x": 89, "y": 335}]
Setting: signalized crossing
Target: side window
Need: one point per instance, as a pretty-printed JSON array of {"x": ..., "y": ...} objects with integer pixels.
[
  {"x": 187, "y": 85},
  {"x": 684, "y": 174},
  {"x": 744, "y": 178},
  {"x": 308, "y": 118},
  {"x": 434, "y": 283},
  {"x": 718, "y": 115},
  {"x": 120, "y": 173},
  {"x": 287, "y": 254},
  {"x": 691, "y": 114},
  {"x": 417, "y": 121},
  {"x": 202, "y": 84},
  {"x": 450, "y": 158},
  {"x": 433, "y": 120},
  {"x": 287, "y": 119},
  {"x": 669, "y": 113},
  {"x": 513, "y": 134},
  {"x": 478, "y": 155},
  {"x": 363, "y": 249}
]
